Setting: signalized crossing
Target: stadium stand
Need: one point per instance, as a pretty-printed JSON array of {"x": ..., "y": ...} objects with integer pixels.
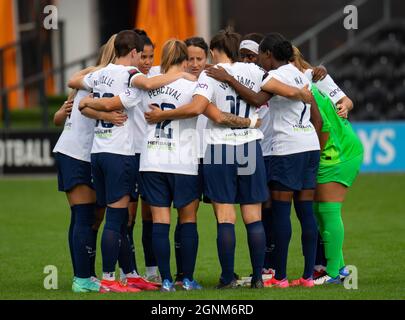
[{"x": 372, "y": 73}]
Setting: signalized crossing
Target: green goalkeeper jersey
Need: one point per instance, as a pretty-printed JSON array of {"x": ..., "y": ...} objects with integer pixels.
[{"x": 343, "y": 143}]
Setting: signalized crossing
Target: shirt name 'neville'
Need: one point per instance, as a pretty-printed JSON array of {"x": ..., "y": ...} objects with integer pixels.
[
  {"x": 165, "y": 90},
  {"x": 104, "y": 80}
]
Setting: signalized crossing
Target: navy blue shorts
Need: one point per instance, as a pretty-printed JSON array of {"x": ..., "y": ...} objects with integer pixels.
[
  {"x": 203, "y": 197},
  {"x": 72, "y": 172},
  {"x": 137, "y": 178},
  {"x": 161, "y": 189},
  {"x": 267, "y": 166},
  {"x": 294, "y": 172},
  {"x": 114, "y": 176},
  {"x": 235, "y": 174}
]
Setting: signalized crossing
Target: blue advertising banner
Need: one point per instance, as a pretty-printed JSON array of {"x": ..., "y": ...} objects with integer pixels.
[{"x": 384, "y": 145}]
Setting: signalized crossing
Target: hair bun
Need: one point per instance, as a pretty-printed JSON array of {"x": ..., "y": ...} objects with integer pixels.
[
  {"x": 141, "y": 32},
  {"x": 283, "y": 50}
]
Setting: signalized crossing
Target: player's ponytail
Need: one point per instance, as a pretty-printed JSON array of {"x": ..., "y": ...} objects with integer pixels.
[
  {"x": 280, "y": 48},
  {"x": 174, "y": 52},
  {"x": 299, "y": 61},
  {"x": 107, "y": 53},
  {"x": 227, "y": 41},
  {"x": 146, "y": 40}
]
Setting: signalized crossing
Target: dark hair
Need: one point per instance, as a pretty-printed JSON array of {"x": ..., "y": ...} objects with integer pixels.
[
  {"x": 281, "y": 48},
  {"x": 256, "y": 37},
  {"x": 146, "y": 40},
  {"x": 227, "y": 41},
  {"x": 126, "y": 41},
  {"x": 197, "y": 42}
]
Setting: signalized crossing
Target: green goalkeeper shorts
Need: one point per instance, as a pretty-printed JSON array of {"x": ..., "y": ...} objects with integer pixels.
[{"x": 344, "y": 172}]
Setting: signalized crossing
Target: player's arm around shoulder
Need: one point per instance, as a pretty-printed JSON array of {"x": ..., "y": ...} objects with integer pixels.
[
  {"x": 63, "y": 113},
  {"x": 141, "y": 81},
  {"x": 101, "y": 104},
  {"x": 193, "y": 109},
  {"x": 256, "y": 99},
  {"x": 275, "y": 86},
  {"x": 82, "y": 79},
  {"x": 230, "y": 120},
  {"x": 117, "y": 118}
]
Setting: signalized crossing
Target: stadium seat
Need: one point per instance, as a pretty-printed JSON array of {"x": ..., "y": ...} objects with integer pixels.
[
  {"x": 397, "y": 112},
  {"x": 350, "y": 72},
  {"x": 376, "y": 93},
  {"x": 382, "y": 70},
  {"x": 393, "y": 31},
  {"x": 369, "y": 112},
  {"x": 392, "y": 49},
  {"x": 399, "y": 73},
  {"x": 399, "y": 94},
  {"x": 358, "y": 53}
]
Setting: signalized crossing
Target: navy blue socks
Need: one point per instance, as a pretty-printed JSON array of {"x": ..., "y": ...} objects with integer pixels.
[
  {"x": 111, "y": 238},
  {"x": 147, "y": 229},
  {"x": 70, "y": 237},
  {"x": 126, "y": 258},
  {"x": 267, "y": 218},
  {"x": 320, "y": 259},
  {"x": 125, "y": 254},
  {"x": 226, "y": 250},
  {"x": 257, "y": 245},
  {"x": 161, "y": 248},
  {"x": 177, "y": 249},
  {"x": 130, "y": 230},
  {"x": 93, "y": 258},
  {"x": 282, "y": 236},
  {"x": 82, "y": 238},
  {"x": 188, "y": 249},
  {"x": 309, "y": 235}
]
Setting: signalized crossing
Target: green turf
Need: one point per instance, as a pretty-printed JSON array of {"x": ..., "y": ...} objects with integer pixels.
[{"x": 34, "y": 222}]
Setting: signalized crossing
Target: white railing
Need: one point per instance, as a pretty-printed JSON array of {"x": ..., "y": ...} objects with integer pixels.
[{"x": 312, "y": 35}]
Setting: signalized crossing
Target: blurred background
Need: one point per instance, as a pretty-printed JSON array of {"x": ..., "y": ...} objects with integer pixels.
[{"x": 368, "y": 63}]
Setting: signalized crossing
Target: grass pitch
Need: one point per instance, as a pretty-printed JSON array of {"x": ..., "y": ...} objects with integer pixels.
[{"x": 34, "y": 220}]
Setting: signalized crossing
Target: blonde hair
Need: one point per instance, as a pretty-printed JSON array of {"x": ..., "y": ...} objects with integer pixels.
[
  {"x": 107, "y": 53},
  {"x": 105, "y": 57},
  {"x": 174, "y": 52},
  {"x": 299, "y": 60}
]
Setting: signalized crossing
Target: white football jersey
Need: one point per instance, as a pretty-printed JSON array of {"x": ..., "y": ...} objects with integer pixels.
[
  {"x": 201, "y": 127},
  {"x": 113, "y": 81},
  {"x": 76, "y": 139},
  {"x": 154, "y": 71},
  {"x": 227, "y": 100},
  {"x": 264, "y": 114},
  {"x": 291, "y": 129},
  {"x": 139, "y": 117},
  {"x": 171, "y": 146},
  {"x": 327, "y": 86}
]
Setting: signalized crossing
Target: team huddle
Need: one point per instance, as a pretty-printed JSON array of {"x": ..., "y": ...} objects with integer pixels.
[{"x": 258, "y": 127}]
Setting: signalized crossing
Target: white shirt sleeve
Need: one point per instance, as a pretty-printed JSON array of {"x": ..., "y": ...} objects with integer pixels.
[
  {"x": 154, "y": 71},
  {"x": 205, "y": 87},
  {"x": 131, "y": 98},
  {"x": 133, "y": 73},
  {"x": 308, "y": 74},
  {"x": 329, "y": 87},
  {"x": 88, "y": 81},
  {"x": 269, "y": 76}
]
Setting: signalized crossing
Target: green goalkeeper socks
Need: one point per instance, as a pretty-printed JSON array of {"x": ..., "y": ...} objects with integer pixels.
[{"x": 331, "y": 229}]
